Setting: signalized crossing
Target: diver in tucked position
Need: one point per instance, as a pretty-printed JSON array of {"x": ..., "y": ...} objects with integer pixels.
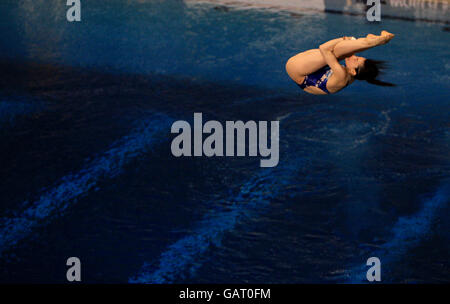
[{"x": 319, "y": 72}]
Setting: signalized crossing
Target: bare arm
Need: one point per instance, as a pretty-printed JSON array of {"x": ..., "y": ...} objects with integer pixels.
[
  {"x": 330, "y": 45},
  {"x": 326, "y": 50}
]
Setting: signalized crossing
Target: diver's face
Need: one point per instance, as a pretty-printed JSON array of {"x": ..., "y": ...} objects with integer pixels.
[{"x": 355, "y": 62}]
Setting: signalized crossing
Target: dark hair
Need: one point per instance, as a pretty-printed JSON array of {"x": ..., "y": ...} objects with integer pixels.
[{"x": 370, "y": 71}]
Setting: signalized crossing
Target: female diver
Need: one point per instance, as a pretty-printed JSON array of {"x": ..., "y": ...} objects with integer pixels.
[{"x": 319, "y": 72}]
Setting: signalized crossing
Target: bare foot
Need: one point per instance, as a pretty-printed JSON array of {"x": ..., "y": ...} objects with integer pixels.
[{"x": 388, "y": 36}]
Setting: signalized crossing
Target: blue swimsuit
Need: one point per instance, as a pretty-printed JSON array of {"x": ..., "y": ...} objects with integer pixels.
[{"x": 318, "y": 79}]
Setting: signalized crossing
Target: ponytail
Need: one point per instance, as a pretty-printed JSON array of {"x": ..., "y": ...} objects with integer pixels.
[{"x": 370, "y": 71}]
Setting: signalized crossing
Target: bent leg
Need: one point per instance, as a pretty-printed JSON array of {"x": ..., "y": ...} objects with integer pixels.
[
  {"x": 347, "y": 48},
  {"x": 304, "y": 64}
]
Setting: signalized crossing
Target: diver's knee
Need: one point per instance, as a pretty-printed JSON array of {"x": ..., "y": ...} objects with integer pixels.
[{"x": 289, "y": 65}]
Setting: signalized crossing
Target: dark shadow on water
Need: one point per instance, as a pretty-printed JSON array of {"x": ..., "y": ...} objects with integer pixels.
[{"x": 86, "y": 110}]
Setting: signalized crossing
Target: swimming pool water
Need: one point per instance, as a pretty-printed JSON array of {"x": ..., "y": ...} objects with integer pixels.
[{"x": 87, "y": 169}]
